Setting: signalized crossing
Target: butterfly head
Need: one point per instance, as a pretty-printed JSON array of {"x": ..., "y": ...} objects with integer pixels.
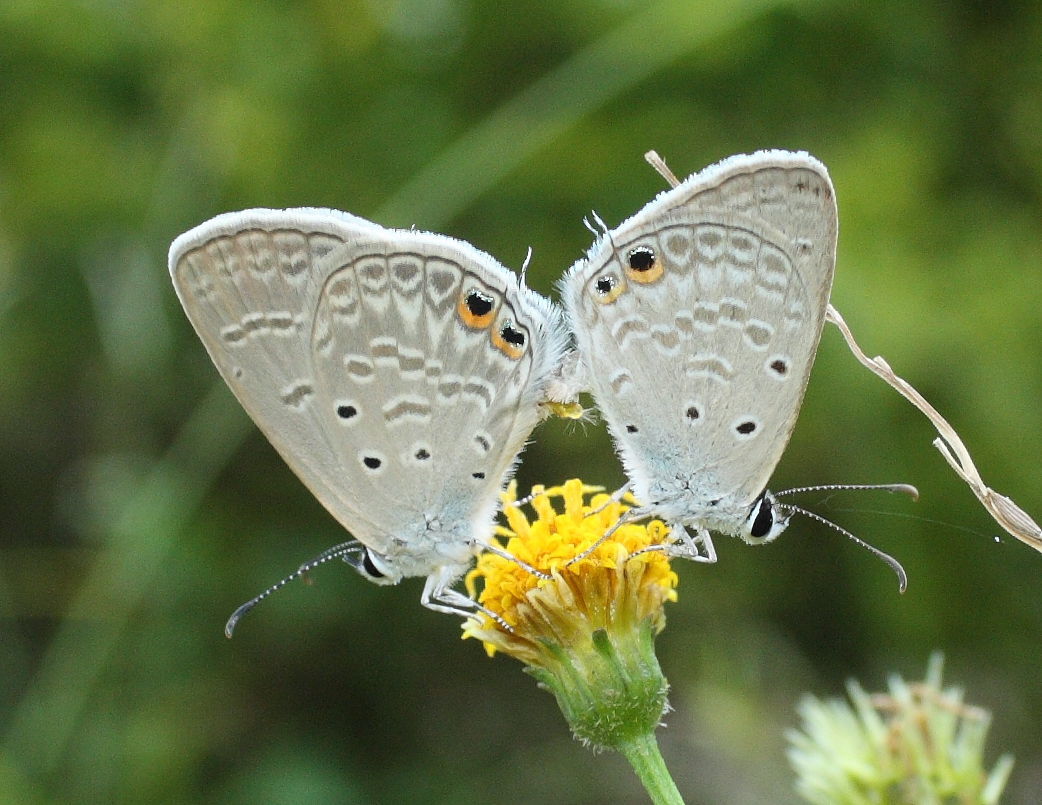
[{"x": 765, "y": 522}]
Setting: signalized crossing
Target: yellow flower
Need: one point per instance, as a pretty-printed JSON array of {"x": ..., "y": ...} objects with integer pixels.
[
  {"x": 585, "y": 630},
  {"x": 618, "y": 586}
]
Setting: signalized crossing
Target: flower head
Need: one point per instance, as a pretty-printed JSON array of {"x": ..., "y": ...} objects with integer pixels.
[
  {"x": 920, "y": 742},
  {"x": 618, "y": 585},
  {"x": 584, "y": 629}
]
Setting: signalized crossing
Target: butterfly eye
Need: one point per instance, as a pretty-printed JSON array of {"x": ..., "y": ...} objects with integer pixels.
[
  {"x": 607, "y": 288},
  {"x": 763, "y": 519},
  {"x": 368, "y": 567},
  {"x": 476, "y": 309},
  {"x": 510, "y": 340},
  {"x": 643, "y": 265}
]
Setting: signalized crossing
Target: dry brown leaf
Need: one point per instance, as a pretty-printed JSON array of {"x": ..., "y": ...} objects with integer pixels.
[{"x": 1007, "y": 514}]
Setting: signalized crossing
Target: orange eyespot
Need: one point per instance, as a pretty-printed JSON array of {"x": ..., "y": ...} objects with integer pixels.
[
  {"x": 607, "y": 288},
  {"x": 643, "y": 265},
  {"x": 476, "y": 309},
  {"x": 510, "y": 340}
]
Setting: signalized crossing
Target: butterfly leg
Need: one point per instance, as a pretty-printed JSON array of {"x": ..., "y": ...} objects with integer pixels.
[
  {"x": 697, "y": 547},
  {"x": 630, "y": 516},
  {"x": 616, "y": 496},
  {"x": 439, "y": 596},
  {"x": 502, "y": 554}
]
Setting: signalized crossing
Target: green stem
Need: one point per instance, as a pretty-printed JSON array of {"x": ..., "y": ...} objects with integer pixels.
[{"x": 646, "y": 760}]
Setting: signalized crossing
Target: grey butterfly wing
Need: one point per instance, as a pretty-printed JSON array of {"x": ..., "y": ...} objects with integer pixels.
[
  {"x": 302, "y": 312},
  {"x": 249, "y": 282},
  {"x": 698, "y": 320},
  {"x": 431, "y": 361}
]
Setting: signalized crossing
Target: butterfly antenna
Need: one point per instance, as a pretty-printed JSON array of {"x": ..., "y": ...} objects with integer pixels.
[
  {"x": 904, "y": 489},
  {"x": 336, "y": 552},
  {"x": 902, "y": 577}
]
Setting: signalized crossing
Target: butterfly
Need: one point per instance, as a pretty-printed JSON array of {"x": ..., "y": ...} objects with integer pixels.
[
  {"x": 697, "y": 321},
  {"x": 397, "y": 372}
]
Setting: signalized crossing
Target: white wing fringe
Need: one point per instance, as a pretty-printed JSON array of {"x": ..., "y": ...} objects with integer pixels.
[{"x": 1006, "y": 513}]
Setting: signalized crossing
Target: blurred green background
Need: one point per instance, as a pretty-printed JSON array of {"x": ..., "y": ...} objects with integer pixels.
[{"x": 139, "y": 505}]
